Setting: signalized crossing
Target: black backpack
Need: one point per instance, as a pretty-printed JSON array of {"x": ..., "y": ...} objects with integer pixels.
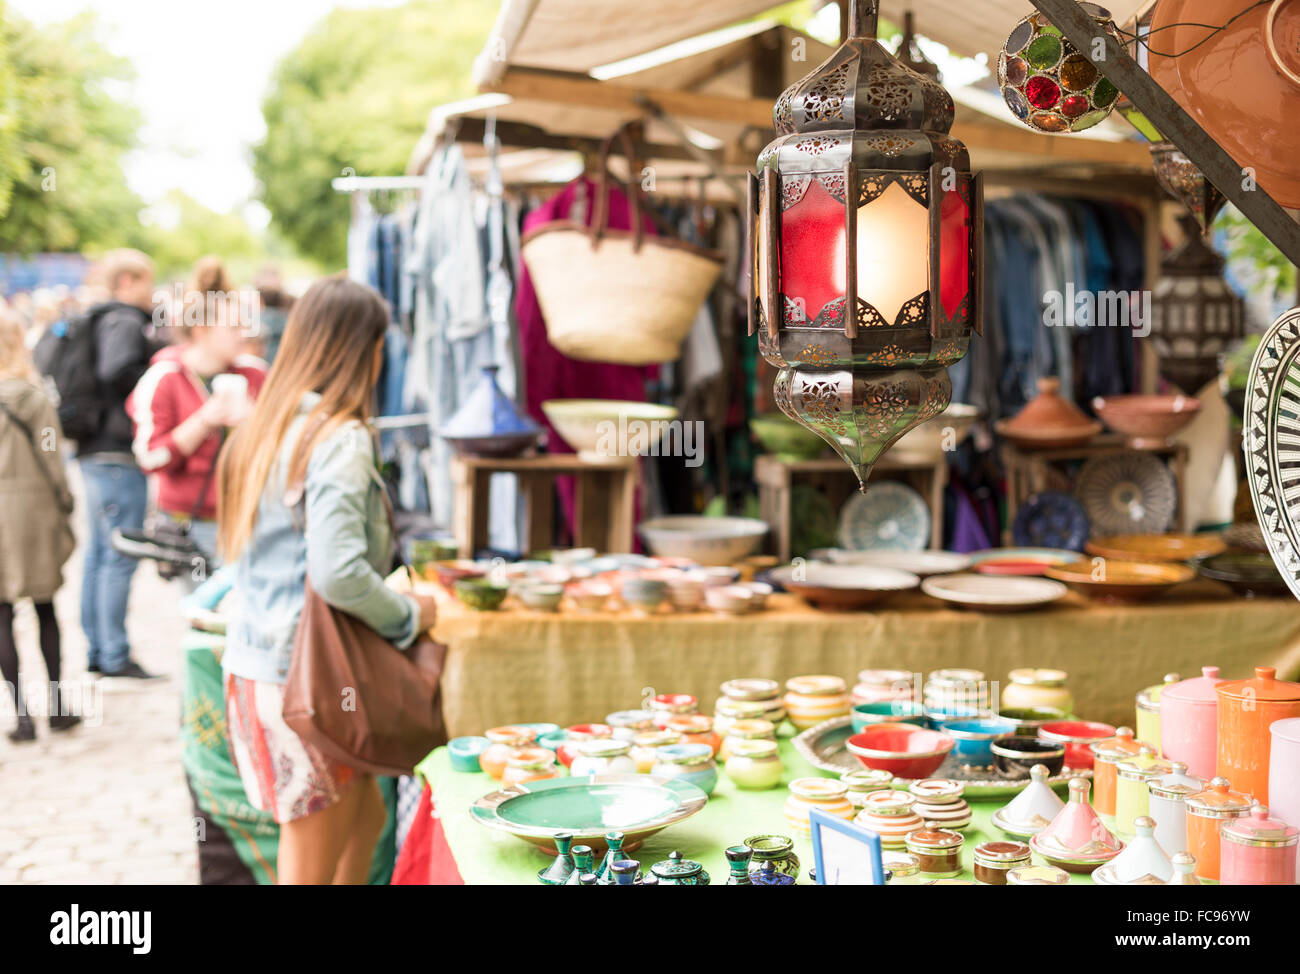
[{"x": 70, "y": 361}]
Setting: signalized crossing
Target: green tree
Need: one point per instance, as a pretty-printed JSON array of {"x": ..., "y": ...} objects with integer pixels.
[
  {"x": 62, "y": 138},
  {"x": 355, "y": 95}
]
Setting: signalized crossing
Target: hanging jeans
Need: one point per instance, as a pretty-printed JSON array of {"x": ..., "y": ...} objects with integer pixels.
[{"x": 116, "y": 495}]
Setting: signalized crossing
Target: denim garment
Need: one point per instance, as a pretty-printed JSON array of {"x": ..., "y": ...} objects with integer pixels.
[
  {"x": 345, "y": 550},
  {"x": 116, "y": 495}
]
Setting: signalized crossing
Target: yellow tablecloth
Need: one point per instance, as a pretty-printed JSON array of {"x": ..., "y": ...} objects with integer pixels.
[{"x": 570, "y": 667}]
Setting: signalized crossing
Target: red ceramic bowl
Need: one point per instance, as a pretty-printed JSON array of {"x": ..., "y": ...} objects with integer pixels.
[
  {"x": 1077, "y": 736},
  {"x": 904, "y": 750}
]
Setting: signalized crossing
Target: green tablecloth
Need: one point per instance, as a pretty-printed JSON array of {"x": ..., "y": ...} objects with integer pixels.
[{"x": 485, "y": 856}]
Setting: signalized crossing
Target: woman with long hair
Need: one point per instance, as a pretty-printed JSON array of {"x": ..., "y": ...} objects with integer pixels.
[
  {"x": 35, "y": 533},
  {"x": 300, "y": 498}
]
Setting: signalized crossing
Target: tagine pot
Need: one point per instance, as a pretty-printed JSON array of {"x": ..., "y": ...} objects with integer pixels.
[{"x": 1077, "y": 840}]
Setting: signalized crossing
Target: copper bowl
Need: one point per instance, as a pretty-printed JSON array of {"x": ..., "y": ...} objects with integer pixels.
[{"x": 1147, "y": 421}]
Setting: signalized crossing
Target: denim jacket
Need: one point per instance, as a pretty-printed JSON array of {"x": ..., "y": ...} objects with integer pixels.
[{"x": 344, "y": 550}]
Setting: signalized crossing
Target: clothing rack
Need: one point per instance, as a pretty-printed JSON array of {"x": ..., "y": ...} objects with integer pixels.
[{"x": 375, "y": 184}]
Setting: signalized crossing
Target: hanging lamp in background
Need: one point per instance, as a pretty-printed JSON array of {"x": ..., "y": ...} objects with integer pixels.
[
  {"x": 866, "y": 230},
  {"x": 1179, "y": 177},
  {"x": 910, "y": 53},
  {"x": 1195, "y": 314}
]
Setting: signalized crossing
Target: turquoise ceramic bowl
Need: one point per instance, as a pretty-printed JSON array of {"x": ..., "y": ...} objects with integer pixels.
[
  {"x": 464, "y": 752},
  {"x": 886, "y": 711},
  {"x": 975, "y": 737}
]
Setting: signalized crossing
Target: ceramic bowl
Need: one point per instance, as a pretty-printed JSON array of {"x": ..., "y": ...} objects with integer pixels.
[
  {"x": 1147, "y": 420},
  {"x": 974, "y": 739},
  {"x": 590, "y": 596},
  {"x": 843, "y": 587},
  {"x": 904, "y": 750},
  {"x": 731, "y": 600},
  {"x": 761, "y": 591},
  {"x": 703, "y": 540},
  {"x": 1029, "y": 719},
  {"x": 643, "y": 594},
  {"x": 481, "y": 594},
  {"x": 1248, "y": 573},
  {"x": 886, "y": 711},
  {"x": 785, "y": 438},
  {"x": 714, "y": 576},
  {"x": 1015, "y": 756},
  {"x": 464, "y": 752},
  {"x": 541, "y": 598},
  {"x": 932, "y": 440},
  {"x": 1121, "y": 581},
  {"x": 584, "y": 424},
  {"x": 448, "y": 573},
  {"x": 1156, "y": 547},
  {"x": 1077, "y": 736}
]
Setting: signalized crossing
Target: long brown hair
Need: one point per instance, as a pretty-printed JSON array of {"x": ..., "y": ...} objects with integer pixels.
[
  {"x": 15, "y": 360},
  {"x": 328, "y": 347}
]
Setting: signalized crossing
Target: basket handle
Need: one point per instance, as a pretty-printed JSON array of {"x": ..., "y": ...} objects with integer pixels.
[{"x": 600, "y": 221}]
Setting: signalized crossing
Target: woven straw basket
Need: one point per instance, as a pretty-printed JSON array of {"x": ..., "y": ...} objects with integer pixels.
[{"x": 617, "y": 295}]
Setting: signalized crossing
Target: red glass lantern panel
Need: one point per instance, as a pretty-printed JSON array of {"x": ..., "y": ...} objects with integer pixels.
[
  {"x": 954, "y": 250},
  {"x": 812, "y": 235}
]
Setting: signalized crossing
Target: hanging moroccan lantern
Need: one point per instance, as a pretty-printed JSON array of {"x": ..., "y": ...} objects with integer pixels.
[
  {"x": 1048, "y": 83},
  {"x": 867, "y": 229},
  {"x": 1195, "y": 314},
  {"x": 1179, "y": 177},
  {"x": 910, "y": 53}
]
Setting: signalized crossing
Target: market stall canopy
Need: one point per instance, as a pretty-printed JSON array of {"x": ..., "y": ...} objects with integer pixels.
[{"x": 579, "y": 35}]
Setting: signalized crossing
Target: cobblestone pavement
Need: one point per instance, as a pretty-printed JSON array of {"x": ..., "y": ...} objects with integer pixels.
[{"x": 106, "y": 802}]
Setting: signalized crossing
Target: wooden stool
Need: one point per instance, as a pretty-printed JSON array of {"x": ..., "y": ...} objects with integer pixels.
[{"x": 604, "y": 502}]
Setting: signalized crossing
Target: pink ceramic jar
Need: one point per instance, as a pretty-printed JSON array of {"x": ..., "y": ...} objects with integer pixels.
[
  {"x": 1257, "y": 850},
  {"x": 1284, "y": 773},
  {"x": 1189, "y": 722}
]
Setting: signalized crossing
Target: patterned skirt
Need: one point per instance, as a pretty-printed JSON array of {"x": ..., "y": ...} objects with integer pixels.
[{"x": 283, "y": 775}]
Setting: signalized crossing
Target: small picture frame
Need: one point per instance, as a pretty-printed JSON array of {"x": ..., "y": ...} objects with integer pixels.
[{"x": 843, "y": 853}]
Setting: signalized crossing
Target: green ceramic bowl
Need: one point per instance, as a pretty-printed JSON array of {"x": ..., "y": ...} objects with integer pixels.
[
  {"x": 786, "y": 438},
  {"x": 481, "y": 593}
]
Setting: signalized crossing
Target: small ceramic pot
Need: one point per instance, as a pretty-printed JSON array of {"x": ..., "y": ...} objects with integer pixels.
[
  {"x": 688, "y": 762},
  {"x": 685, "y": 594},
  {"x": 643, "y": 595},
  {"x": 603, "y": 755},
  {"x": 775, "y": 849},
  {"x": 481, "y": 594},
  {"x": 668, "y": 705},
  {"x": 1031, "y": 811},
  {"x": 590, "y": 596},
  {"x": 904, "y": 868},
  {"x": 729, "y": 600},
  {"x": 1028, "y": 720},
  {"x": 1037, "y": 876},
  {"x": 975, "y": 737},
  {"x": 728, "y": 713},
  {"x": 1131, "y": 795},
  {"x": 1037, "y": 688},
  {"x": 738, "y": 857},
  {"x": 878, "y": 686},
  {"x": 1015, "y": 756},
  {"x": 1077, "y": 736},
  {"x": 939, "y": 802},
  {"x": 883, "y": 712},
  {"x": 553, "y": 740},
  {"x": 529, "y": 764},
  {"x": 809, "y": 700},
  {"x": 645, "y": 747},
  {"x": 746, "y": 730},
  {"x": 996, "y": 858},
  {"x": 1076, "y": 840},
  {"x": 541, "y": 598},
  {"x": 1142, "y": 863},
  {"x": 1284, "y": 773},
  {"x": 955, "y": 693},
  {"x": 827, "y": 794},
  {"x": 1258, "y": 850},
  {"x": 464, "y": 752},
  {"x": 1106, "y": 756},
  {"x": 754, "y": 765},
  {"x": 676, "y": 871},
  {"x": 890, "y": 814},
  {"x": 1247, "y": 708},
  {"x": 1184, "y": 870},
  {"x": 1148, "y": 711},
  {"x": 1167, "y": 804},
  {"x": 627, "y": 724},
  {"x": 863, "y": 782},
  {"x": 503, "y": 741},
  {"x": 1207, "y": 812},
  {"x": 1189, "y": 722},
  {"x": 760, "y": 591},
  {"x": 696, "y": 729},
  {"x": 751, "y": 688},
  {"x": 938, "y": 850},
  {"x": 575, "y": 735}
]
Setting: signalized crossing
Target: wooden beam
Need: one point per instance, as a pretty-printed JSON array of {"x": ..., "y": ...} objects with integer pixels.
[
  {"x": 1020, "y": 140},
  {"x": 521, "y": 135},
  {"x": 1177, "y": 126}
]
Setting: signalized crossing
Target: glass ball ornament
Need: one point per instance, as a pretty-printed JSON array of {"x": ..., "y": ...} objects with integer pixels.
[{"x": 1048, "y": 83}]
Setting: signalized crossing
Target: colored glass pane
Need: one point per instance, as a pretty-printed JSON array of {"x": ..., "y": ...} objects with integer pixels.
[
  {"x": 812, "y": 233},
  {"x": 1042, "y": 92}
]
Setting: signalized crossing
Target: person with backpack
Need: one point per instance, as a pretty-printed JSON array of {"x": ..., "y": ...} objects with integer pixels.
[
  {"x": 35, "y": 531},
  {"x": 97, "y": 363}
]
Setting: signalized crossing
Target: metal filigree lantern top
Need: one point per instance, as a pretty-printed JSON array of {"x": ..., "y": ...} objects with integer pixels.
[
  {"x": 1195, "y": 314},
  {"x": 866, "y": 230}
]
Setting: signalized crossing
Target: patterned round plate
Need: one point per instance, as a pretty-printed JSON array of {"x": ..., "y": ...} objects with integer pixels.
[
  {"x": 1127, "y": 493},
  {"x": 1272, "y": 443},
  {"x": 1051, "y": 519},
  {"x": 890, "y": 516}
]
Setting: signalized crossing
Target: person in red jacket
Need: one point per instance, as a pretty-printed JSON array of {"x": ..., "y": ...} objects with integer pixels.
[{"x": 192, "y": 393}]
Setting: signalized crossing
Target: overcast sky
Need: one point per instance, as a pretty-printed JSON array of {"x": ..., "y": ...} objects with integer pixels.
[{"x": 201, "y": 71}]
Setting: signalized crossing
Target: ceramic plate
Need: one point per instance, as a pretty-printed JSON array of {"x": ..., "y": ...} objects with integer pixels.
[
  {"x": 919, "y": 563},
  {"x": 1272, "y": 447},
  {"x": 991, "y": 593},
  {"x": 1248, "y": 573},
  {"x": 1156, "y": 547},
  {"x": 890, "y": 516},
  {"x": 1121, "y": 581},
  {"x": 824, "y": 748},
  {"x": 842, "y": 586},
  {"x": 638, "y": 805},
  {"x": 1051, "y": 519},
  {"x": 1127, "y": 493}
]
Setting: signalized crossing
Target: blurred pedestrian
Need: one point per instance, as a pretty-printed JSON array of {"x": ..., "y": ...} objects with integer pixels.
[
  {"x": 275, "y": 303},
  {"x": 35, "y": 532}
]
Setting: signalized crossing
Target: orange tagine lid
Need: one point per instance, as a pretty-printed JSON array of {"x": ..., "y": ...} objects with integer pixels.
[{"x": 1264, "y": 685}]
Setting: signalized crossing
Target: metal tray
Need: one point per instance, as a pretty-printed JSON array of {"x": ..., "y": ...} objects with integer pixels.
[{"x": 823, "y": 747}]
